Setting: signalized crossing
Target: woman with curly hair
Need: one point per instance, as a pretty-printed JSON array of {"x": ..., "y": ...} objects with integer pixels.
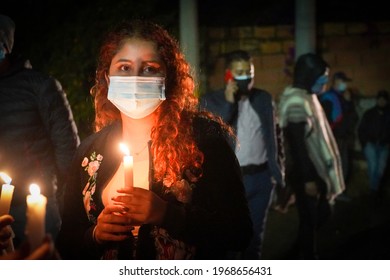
[{"x": 185, "y": 197}]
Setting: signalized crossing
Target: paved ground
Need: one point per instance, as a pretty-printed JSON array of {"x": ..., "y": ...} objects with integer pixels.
[{"x": 358, "y": 229}]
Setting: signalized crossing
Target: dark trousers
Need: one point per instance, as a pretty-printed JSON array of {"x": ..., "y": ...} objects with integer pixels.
[
  {"x": 259, "y": 188},
  {"x": 313, "y": 212}
]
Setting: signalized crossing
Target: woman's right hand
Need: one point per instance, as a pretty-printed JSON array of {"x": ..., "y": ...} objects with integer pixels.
[{"x": 112, "y": 225}]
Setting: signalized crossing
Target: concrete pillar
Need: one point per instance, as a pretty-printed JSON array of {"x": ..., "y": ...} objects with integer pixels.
[
  {"x": 189, "y": 37},
  {"x": 305, "y": 27}
]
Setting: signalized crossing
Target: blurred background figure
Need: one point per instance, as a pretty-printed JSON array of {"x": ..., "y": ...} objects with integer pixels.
[
  {"x": 251, "y": 112},
  {"x": 342, "y": 117},
  {"x": 38, "y": 135},
  {"x": 374, "y": 137},
  {"x": 351, "y": 96},
  {"x": 313, "y": 166}
]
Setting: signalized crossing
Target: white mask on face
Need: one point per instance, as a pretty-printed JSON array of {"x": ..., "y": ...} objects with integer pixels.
[{"x": 135, "y": 96}]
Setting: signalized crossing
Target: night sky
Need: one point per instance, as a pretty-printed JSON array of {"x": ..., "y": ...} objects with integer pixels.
[{"x": 43, "y": 14}]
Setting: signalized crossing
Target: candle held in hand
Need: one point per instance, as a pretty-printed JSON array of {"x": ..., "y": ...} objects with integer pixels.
[
  {"x": 7, "y": 191},
  {"x": 127, "y": 165},
  {"x": 36, "y": 212}
]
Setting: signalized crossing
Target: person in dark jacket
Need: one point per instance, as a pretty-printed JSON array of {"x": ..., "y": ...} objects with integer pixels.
[
  {"x": 374, "y": 137},
  {"x": 258, "y": 147},
  {"x": 342, "y": 117},
  {"x": 183, "y": 196},
  {"x": 38, "y": 135}
]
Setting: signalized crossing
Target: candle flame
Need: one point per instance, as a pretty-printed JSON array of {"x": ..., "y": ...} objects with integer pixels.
[
  {"x": 7, "y": 179},
  {"x": 124, "y": 149},
  {"x": 35, "y": 190}
]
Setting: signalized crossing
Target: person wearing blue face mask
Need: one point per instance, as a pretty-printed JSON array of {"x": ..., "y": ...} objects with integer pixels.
[
  {"x": 342, "y": 117},
  {"x": 320, "y": 84},
  {"x": 183, "y": 196},
  {"x": 313, "y": 168},
  {"x": 258, "y": 148}
]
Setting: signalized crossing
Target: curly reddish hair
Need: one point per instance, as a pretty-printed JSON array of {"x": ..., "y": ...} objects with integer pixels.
[{"x": 173, "y": 146}]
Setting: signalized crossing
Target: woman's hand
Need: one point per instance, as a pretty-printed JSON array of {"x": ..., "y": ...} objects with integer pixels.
[
  {"x": 44, "y": 252},
  {"x": 5, "y": 231},
  {"x": 311, "y": 189},
  {"x": 112, "y": 224},
  {"x": 143, "y": 206}
]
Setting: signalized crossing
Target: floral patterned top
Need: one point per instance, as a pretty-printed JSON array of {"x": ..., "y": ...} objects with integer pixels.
[
  {"x": 91, "y": 165},
  {"x": 206, "y": 219}
]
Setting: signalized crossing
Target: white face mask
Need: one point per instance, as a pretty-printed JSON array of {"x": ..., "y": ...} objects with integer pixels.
[{"x": 135, "y": 96}]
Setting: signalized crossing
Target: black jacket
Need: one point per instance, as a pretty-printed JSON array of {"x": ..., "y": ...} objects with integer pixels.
[
  {"x": 38, "y": 136},
  {"x": 216, "y": 221},
  {"x": 374, "y": 126},
  {"x": 262, "y": 103}
]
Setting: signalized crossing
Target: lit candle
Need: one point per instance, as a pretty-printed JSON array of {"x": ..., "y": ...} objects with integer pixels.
[
  {"x": 36, "y": 211},
  {"x": 7, "y": 191},
  {"x": 127, "y": 165}
]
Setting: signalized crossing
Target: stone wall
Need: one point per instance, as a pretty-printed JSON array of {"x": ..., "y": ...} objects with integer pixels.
[{"x": 362, "y": 50}]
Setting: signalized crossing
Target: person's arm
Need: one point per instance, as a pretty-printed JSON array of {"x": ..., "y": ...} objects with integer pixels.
[
  {"x": 5, "y": 232},
  {"x": 281, "y": 156},
  {"x": 216, "y": 103},
  {"x": 59, "y": 123},
  {"x": 279, "y": 146},
  {"x": 231, "y": 91},
  {"x": 218, "y": 215},
  {"x": 362, "y": 130},
  {"x": 46, "y": 251},
  {"x": 328, "y": 107},
  {"x": 295, "y": 133},
  {"x": 75, "y": 238}
]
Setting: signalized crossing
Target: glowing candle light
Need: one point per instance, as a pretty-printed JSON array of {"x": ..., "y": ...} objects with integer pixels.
[
  {"x": 36, "y": 211},
  {"x": 7, "y": 191},
  {"x": 127, "y": 165}
]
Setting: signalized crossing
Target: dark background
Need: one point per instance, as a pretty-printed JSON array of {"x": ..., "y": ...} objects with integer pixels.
[
  {"x": 41, "y": 21},
  {"x": 61, "y": 37}
]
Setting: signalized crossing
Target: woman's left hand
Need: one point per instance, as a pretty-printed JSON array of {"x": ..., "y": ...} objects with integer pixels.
[{"x": 144, "y": 206}]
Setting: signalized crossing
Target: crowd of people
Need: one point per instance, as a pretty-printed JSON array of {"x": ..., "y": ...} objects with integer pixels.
[{"x": 203, "y": 171}]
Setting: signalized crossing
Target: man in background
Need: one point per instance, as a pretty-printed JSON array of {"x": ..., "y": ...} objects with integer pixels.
[
  {"x": 251, "y": 113},
  {"x": 38, "y": 135},
  {"x": 374, "y": 137}
]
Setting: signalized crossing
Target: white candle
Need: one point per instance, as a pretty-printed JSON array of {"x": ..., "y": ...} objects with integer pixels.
[
  {"x": 7, "y": 190},
  {"x": 127, "y": 165},
  {"x": 36, "y": 211}
]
